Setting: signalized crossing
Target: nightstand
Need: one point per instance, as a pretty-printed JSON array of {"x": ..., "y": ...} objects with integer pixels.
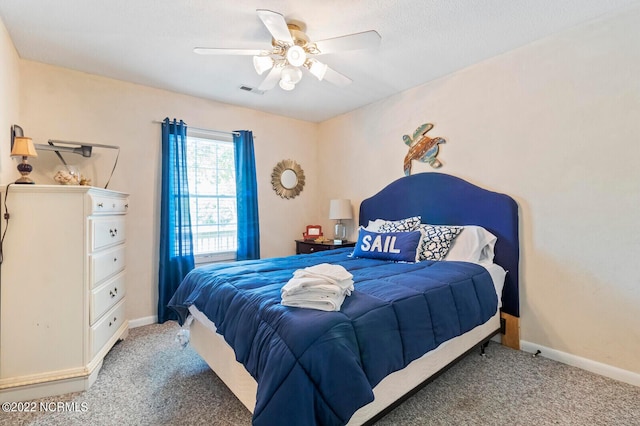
[{"x": 307, "y": 247}]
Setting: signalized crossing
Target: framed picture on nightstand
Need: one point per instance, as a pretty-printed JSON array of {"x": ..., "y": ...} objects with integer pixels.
[{"x": 312, "y": 232}]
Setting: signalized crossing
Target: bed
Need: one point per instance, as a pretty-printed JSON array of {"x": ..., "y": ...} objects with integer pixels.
[{"x": 391, "y": 335}]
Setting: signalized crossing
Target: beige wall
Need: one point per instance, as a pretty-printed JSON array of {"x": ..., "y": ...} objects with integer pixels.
[
  {"x": 61, "y": 104},
  {"x": 9, "y": 103},
  {"x": 555, "y": 124}
]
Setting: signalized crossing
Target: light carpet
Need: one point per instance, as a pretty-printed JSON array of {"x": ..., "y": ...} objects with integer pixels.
[{"x": 148, "y": 379}]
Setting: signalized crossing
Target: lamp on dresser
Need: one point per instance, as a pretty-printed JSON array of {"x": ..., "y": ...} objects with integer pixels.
[
  {"x": 23, "y": 147},
  {"x": 340, "y": 210}
]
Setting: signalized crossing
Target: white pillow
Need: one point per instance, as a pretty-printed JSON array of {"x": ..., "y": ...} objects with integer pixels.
[
  {"x": 474, "y": 244},
  {"x": 374, "y": 225}
]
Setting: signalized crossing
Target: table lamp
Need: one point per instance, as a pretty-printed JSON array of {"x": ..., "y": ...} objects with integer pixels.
[
  {"x": 340, "y": 210},
  {"x": 23, "y": 147}
]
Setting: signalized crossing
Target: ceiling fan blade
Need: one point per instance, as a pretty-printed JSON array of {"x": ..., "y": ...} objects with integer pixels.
[
  {"x": 271, "y": 80},
  {"x": 276, "y": 25},
  {"x": 225, "y": 51},
  {"x": 364, "y": 40},
  {"x": 333, "y": 76}
]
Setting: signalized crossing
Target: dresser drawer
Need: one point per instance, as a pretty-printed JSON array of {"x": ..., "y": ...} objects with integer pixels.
[
  {"x": 101, "y": 204},
  {"x": 106, "y": 327},
  {"x": 106, "y": 263},
  {"x": 105, "y": 296},
  {"x": 105, "y": 232}
]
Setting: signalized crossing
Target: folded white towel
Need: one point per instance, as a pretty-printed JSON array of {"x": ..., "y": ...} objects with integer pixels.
[
  {"x": 325, "y": 303},
  {"x": 332, "y": 273},
  {"x": 317, "y": 295},
  {"x": 299, "y": 285},
  {"x": 322, "y": 287},
  {"x": 304, "y": 282},
  {"x": 346, "y": 286},
  {"x": 293, "y": 287}
]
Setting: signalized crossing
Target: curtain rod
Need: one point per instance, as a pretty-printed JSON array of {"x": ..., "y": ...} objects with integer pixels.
[{"x": 222, "y": 132}]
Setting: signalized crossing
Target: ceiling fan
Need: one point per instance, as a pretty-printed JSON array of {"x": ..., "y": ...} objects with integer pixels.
[{"x": 292, "y": 50}]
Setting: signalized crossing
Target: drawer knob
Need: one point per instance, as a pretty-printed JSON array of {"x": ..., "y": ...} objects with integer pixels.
[
  {"x": 113, "y": 232},
  {"x": 100, "y": 205},
  {"x": 115, "y": 259},
  {"x": 113, "y": 322},
  {"x": 113, "y": 293},
  {"x": 312, "y": 249},
  {"x": 126, "y": 206}
]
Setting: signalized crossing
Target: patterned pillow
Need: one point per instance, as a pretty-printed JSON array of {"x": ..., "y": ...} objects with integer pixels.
[
  {"x": 396, "y": 246},
  {"x": 436, "y": 241},
  {"x": 402, "y": 225}
]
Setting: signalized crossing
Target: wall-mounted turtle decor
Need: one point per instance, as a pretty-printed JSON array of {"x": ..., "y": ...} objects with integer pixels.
[{"x": 422, "y": 148}]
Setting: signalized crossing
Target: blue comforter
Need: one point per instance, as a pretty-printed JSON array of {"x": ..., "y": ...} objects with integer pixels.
[{"x": 314, "y": 367}]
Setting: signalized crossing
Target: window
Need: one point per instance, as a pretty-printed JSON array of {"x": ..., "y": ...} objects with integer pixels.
[{"x": 212, "y": 195}]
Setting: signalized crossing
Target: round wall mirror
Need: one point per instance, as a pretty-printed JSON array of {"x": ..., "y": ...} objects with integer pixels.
[{"x": 287, "y": 179}]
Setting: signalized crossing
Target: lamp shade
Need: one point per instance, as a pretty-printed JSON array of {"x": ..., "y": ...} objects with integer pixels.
[
  {"x": 286, "y": 85},
  {"x": 23, "y": 147},
  {"x": 291, "y": 74},
  {"x": 318, "y": 69},
  {"x": 262, "y": 64},
  {"x": 340, "y": 209}
]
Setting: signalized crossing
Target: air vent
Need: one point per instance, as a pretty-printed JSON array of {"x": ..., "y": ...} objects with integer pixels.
[{"x": 252, "y": 90}]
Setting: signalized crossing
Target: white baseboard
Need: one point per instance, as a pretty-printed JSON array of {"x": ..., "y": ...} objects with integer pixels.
[
  {"x": 583, "y": 363},
  {"x": 139, "y": 322}
]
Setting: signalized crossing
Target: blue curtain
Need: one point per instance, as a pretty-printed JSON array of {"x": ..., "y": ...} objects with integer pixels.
[
  {"x": 247, "y": 197},
  {"x": 176, "y": 242}
]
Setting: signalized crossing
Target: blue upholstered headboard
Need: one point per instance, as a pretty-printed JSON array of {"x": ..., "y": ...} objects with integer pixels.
[{"x": 447, "y": 200}]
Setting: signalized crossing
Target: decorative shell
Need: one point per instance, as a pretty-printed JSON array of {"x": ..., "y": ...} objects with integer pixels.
[{"x": 63, "y": 177}]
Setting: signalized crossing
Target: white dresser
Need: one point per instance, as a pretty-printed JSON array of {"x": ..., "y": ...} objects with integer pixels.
[{"x": 62, "y": 295}]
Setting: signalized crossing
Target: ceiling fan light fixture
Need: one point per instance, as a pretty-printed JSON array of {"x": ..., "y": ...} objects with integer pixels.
[
  {"x": 296, "y": 56},
  {"x": 317, "y": 69},
  {"x": 291, "y": 74},
  {"x": 286, "y": 85},
  {"x": 292, "y": 49},
  {"x": 262, "y": 63}
]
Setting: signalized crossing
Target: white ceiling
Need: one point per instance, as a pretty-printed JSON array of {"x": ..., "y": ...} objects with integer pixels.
[{"x": 151, "y": 42}]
